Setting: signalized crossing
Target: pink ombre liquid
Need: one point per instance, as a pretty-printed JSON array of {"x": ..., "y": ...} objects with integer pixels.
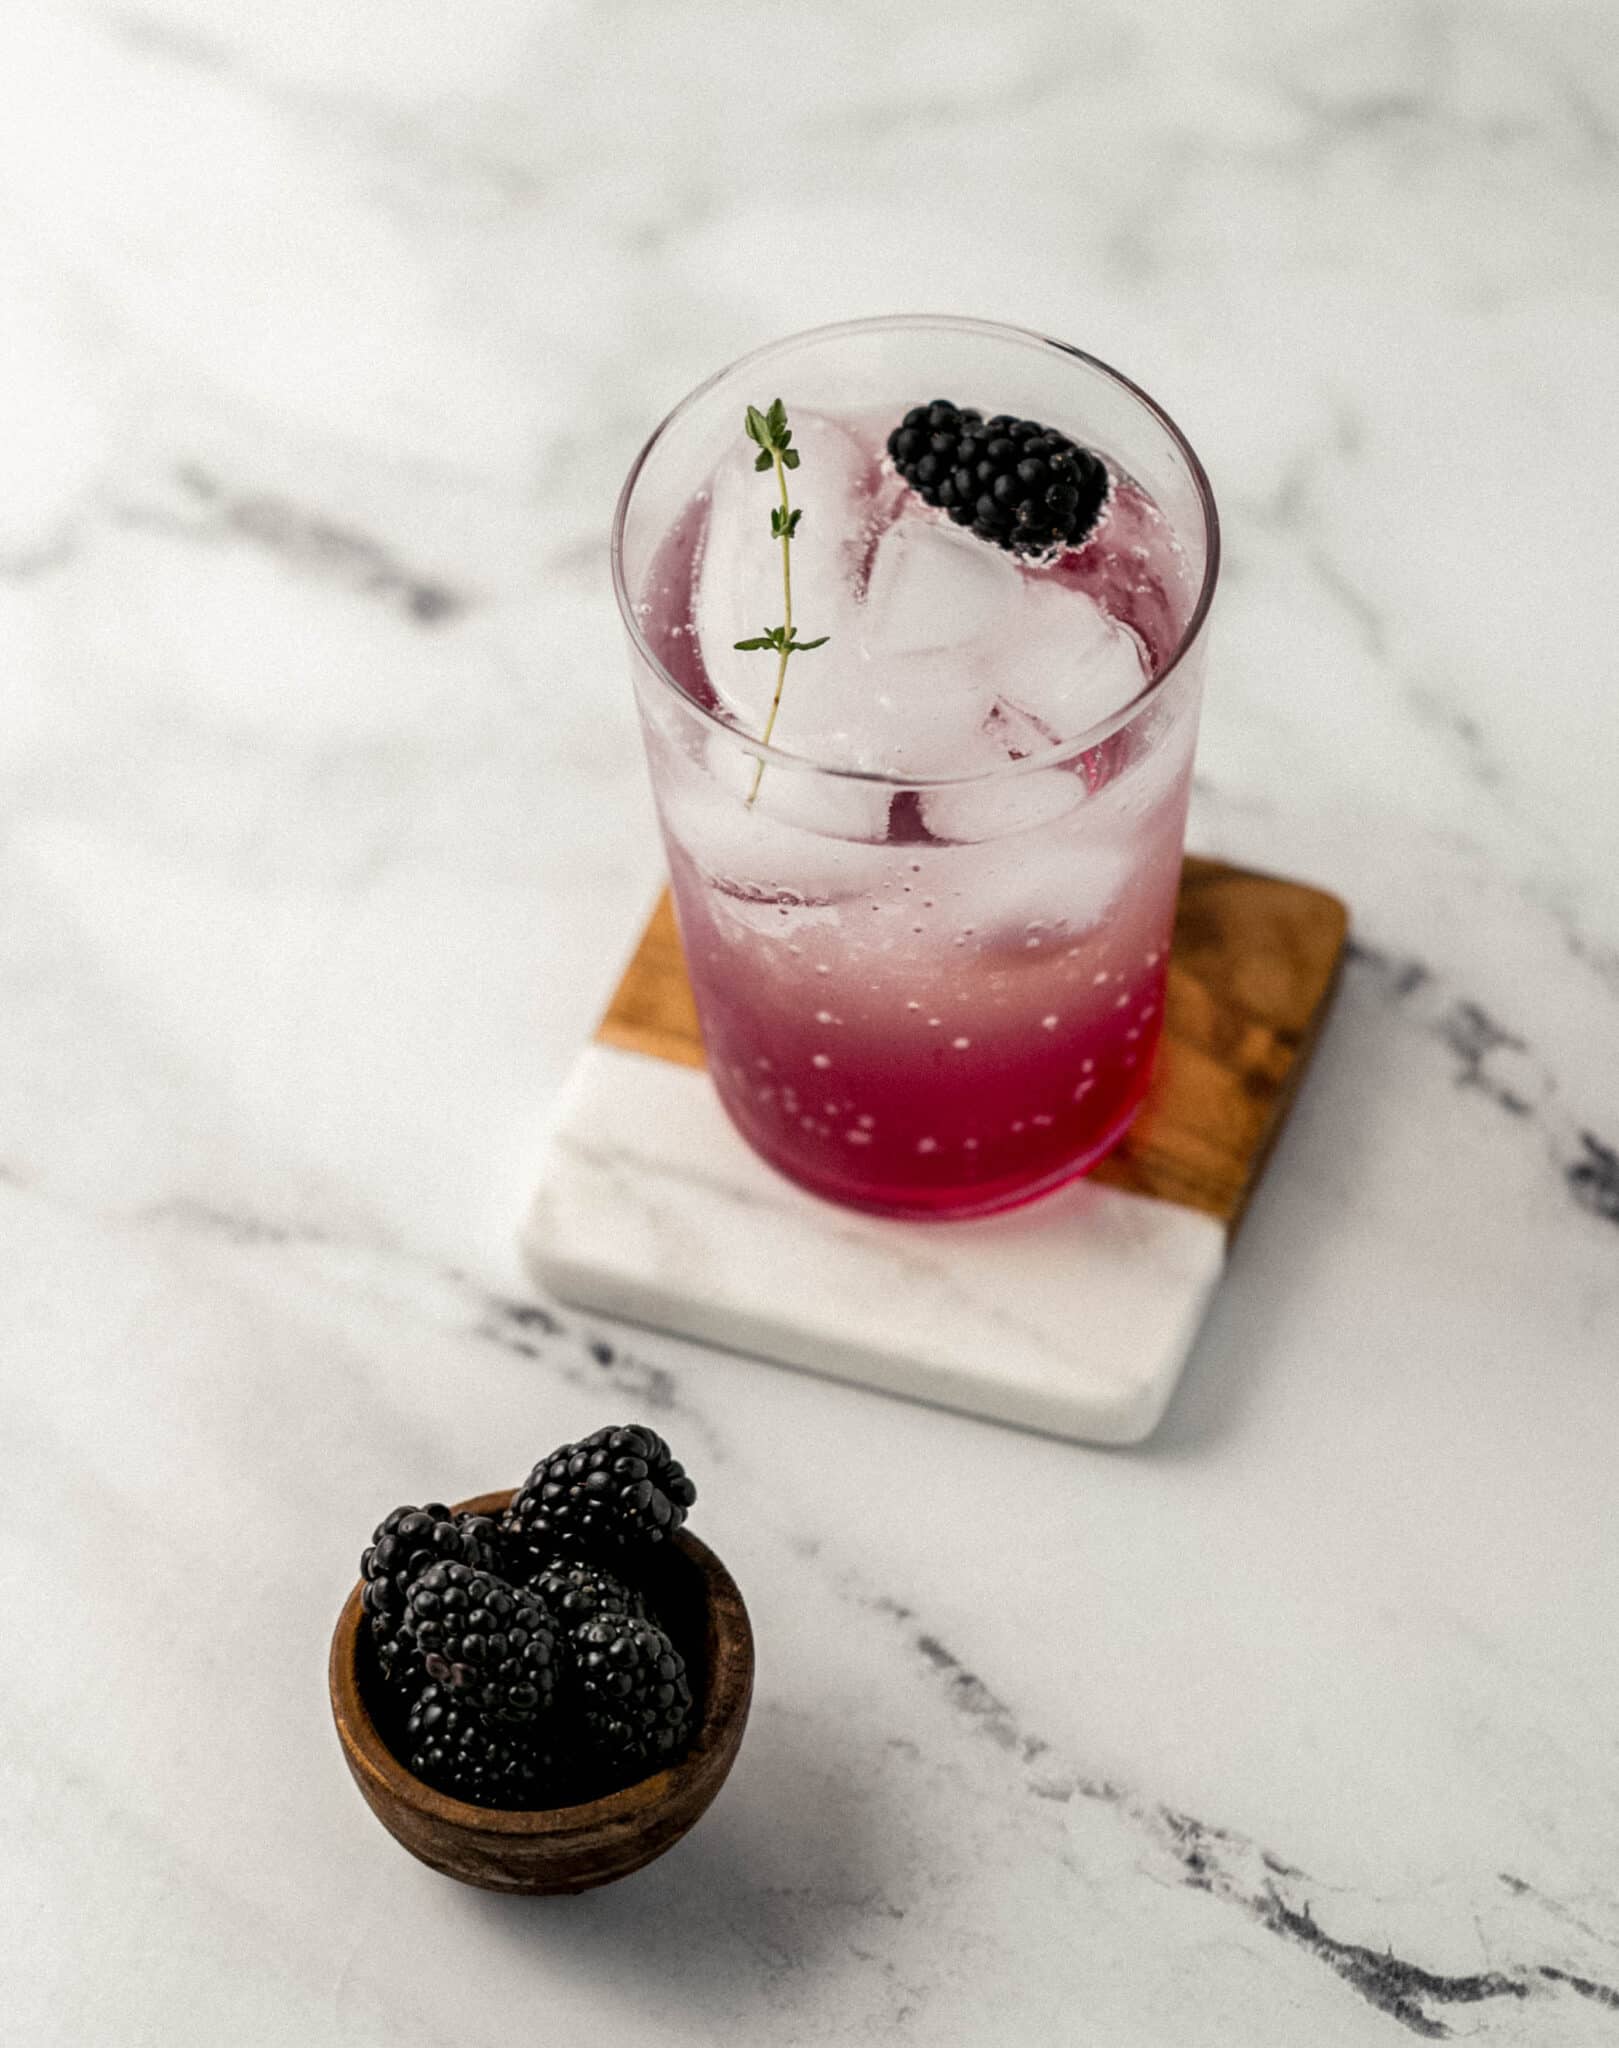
[{"x": 928, "y": 1001}]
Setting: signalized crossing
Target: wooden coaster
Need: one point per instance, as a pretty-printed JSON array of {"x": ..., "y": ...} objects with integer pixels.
[
  {"x": 1252, "y": 972},
  {"x": 1073, "y": 1315}
]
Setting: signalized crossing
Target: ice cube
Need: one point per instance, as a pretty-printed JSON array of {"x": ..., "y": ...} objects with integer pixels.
[
  {"x": 1075, "y": 879},
  {"x": 1136, "y": 570},
  {"x": 1153, "y": 770},
  {"x": 834, "y": 806},
  {"x": 1066, "y": 664},
  {"x": 798, "y": 842},
  {"x": 771, "y": 875},
  {"x": 912, "y": 693},
  {"x": 916, "y": 715},
  {"x": 934, "y": 588},
  {"x": 1015, "y": 733},
  {"x": 1001, "y": 804},
  {"x": 739, "y": 579},
  {"x": 1039, "y": 884}
]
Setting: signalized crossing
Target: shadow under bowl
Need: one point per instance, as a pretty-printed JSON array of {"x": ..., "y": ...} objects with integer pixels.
[{"x": 565, "y": 1848}]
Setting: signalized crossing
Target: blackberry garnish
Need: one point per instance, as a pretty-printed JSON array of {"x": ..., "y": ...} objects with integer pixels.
[
  {"x": 480, "y": 1637},
  {"x": 614, "y": 1489},
  {"x": 405, "y": 1544},
  {"x": 575, "y": 1593},
  {"x": 630, "y": 1690},
  {"x": 452, "y": 1746},
  {"x": 1025, "y": 487}
]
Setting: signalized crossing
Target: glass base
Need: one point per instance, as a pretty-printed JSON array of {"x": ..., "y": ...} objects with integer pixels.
[{"x": 982, "y": 1198}]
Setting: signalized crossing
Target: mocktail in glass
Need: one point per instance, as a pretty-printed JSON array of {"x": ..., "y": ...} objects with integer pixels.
[{"x": 928, "y": 926}]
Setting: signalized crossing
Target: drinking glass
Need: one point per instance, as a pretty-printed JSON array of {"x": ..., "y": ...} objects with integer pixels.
[{"x": 938, "y": 995}]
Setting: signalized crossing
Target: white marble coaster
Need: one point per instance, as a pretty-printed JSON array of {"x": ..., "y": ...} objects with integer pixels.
[{"x": 1073, "y": 1316}]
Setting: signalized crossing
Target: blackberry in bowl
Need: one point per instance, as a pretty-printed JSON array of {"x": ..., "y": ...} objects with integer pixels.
[{"x": 552, "y": 1734}]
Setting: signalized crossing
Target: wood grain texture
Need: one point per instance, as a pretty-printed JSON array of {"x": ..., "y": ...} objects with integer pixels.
[
  {"x": 1253, "y": 970},
  {"x": 653, "y": 1009},
  {"x": 566, "y": 1848},
  {"x": 1255, "y": 962}
]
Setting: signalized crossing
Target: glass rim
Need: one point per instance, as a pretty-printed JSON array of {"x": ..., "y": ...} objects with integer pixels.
[{"x": 1044, "y": 757}]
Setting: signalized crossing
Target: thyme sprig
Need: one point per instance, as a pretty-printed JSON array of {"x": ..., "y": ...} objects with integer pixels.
[{"x": 773, "y": 436}]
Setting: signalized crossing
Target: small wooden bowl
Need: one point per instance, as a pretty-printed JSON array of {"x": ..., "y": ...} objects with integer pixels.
[{"x": 566, "y": 1848}]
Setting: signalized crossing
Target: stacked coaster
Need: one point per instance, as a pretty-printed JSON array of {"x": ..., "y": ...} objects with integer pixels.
[{"x": 1073, "y": 1316}]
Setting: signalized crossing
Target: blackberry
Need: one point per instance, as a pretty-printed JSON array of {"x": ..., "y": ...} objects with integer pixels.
[
  {"x": 576, "y": 1593},
  {"x": 630, "y": 1689},
  {"x": 609, "y": 1491},
  {"x": 453, "y": 1747},
  {"x": 406, "y": 1542},
  {"x": 478, "y": 1636},
  {"x": 1025, "y": 487}
]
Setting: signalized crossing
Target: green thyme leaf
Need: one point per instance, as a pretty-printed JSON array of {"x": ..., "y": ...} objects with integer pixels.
[{"x": 771, "y": 434}]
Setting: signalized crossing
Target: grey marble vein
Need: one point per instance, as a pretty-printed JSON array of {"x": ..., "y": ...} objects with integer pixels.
[
  {"x": 1593, "y": 1178},
  {"x": 151, "y": 35},
  {"x": 1498, "y": 1064},
  {"x": 307, "y": 541},
  {"x": 1219, "y": 1861}
]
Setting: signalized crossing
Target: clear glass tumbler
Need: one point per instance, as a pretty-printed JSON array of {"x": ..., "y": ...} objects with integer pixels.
[{"x": 928, "y": 995}]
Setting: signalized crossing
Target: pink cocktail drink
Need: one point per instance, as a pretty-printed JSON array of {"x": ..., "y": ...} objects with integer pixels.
[{"x": 928, "y": 937}]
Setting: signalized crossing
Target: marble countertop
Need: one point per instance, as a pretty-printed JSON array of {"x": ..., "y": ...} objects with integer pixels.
[{"x": 328, "y": 332}]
